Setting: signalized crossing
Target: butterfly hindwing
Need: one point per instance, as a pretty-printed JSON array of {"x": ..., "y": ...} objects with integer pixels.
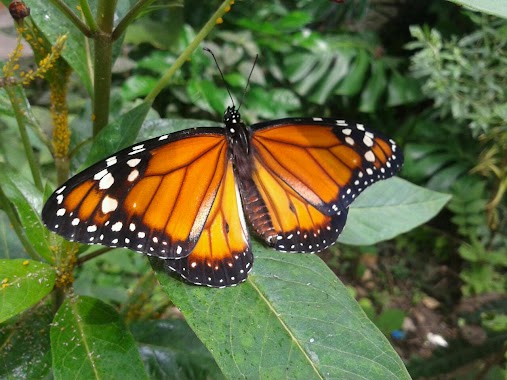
[{"x": 222, "y": 256}]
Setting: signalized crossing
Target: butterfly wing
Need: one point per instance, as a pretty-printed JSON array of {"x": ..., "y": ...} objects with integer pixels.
[
  {"x": 222, "y": 255},
  {"x": 306, "y": 172},
  {"x": 172, "y": 197}
]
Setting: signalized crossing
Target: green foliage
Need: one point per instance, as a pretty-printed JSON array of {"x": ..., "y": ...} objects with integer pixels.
[
  {"x": 464, "y": 75},
  {"x": 469, "y": 207}
]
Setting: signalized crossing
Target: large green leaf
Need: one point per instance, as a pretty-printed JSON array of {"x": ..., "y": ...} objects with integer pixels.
[
  {"x": 27, "y": 201},
  {"x": 390, "y": 208},
  {"x": 292, "y": 319},
  {"x": 25, "y": 351},
  {"x": 23, "y": 283},
  {"x": 89, "y": 340},
  {"x": 171, "y": 350},
  {"x": 494, "y": 7}
]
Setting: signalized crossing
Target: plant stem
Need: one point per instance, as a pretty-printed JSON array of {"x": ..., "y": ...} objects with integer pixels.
[
  {"x": 87, "y": 13},
  {"x": 81, "y": 260},
  {"x": 129, "y": 17},
  {"x": 206, "y": 29},
  {"x": 16, "y": 102},
  {"x": 6, "y": 206},
  {"x": 103, "y": 63},
  {"x": 64, "y": 8}
]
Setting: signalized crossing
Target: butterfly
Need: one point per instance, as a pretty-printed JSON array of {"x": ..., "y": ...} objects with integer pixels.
[{"x": 188, "y": 197}]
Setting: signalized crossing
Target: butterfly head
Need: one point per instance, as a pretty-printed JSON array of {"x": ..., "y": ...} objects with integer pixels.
[{"x": 232, "y": 116}]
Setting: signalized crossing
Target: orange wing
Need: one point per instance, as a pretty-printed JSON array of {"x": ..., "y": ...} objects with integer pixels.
[
  {"x": 222, "y": 255},
  {"x": 173, "y": 197},
  {"x": 306, "y": 172}
]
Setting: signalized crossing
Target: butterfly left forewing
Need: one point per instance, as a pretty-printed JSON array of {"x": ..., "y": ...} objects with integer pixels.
[{"x": 153, "y": 197}]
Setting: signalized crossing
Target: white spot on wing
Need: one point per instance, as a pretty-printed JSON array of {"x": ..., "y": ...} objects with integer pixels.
[
  {"x": 106, "y": 181},
  {"x": 367, "y": 141},
  {"x": 111, "y": 161},
  {"x": 60, "y": 212},
  {"x": 109, "y": 204},
  {"x": 133, "y": 162},
  {"x": 369, "y": 156},
  {"x": 100, "y": 174},
  {"x": 133, "y": 175},
  {"x": 117, "y": 226}
]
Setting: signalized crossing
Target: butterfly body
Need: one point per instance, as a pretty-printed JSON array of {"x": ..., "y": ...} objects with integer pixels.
[{"x": 188, "y": 197}]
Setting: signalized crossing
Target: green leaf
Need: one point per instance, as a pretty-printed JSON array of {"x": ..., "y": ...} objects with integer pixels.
[
  {"x": 170, "y": 349},
  {"x": 119, "y": 134},
  {"x": 375, "y": 88},
  {"x": 403, "y": 90},
  {"x": 292, "y": 319},
  {"x": 89, "y": 340},
  {"x": 23, "y": 283},
  {"x": 494, "y": 7},
  {"x": 27, "y": 201},
  {"x": 272, "y": 104},
  {"x": 24, "y": 345},
  {"x": 207, "y": 96},
  {"x": 353, "y": 82},
  {"x": 138, "y": 86},
  {"x": 335, "y": 73},
  {"x": 10, "y": 246},
  {"x": 389, "y": 208}
]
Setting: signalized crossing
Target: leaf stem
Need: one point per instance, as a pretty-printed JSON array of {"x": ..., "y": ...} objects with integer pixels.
[
  {"x": 129, "y": 17},
  {"x": 64, "y": 8},
  {"x": 16, "y": 102},
  {"x": 81, "y": 260},
  {"x": 184, "y": 56},
  {"x": 87, "y": 13}
]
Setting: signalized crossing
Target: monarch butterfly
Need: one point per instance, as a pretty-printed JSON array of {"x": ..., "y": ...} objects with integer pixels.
[{"x": 186, "y": 196}]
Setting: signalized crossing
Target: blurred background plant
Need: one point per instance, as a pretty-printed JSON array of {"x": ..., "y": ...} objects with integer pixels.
[{"x": 428, "y": 74}]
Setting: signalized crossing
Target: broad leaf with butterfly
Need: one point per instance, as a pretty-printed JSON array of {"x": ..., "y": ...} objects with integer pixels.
[{"x": 189, "y": 197}]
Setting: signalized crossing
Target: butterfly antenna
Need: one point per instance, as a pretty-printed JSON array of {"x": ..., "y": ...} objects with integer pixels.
[
  {"x": 248, "y": 81},
  {"x": 221, "y": 74}
]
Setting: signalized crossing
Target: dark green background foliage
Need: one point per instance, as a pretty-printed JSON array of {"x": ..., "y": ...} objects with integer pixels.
[{"x": 429, "y": 74}]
